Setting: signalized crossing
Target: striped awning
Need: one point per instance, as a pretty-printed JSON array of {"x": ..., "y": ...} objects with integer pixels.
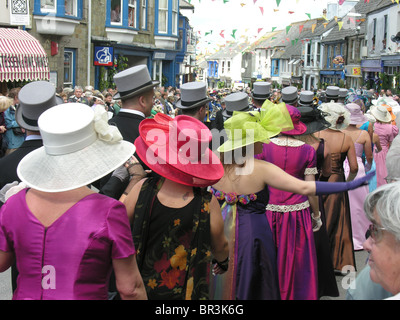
[{"x": 21, "y": 57}]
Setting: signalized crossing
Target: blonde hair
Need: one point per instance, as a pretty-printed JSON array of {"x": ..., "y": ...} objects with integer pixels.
[{"x": 5, "y": 103}]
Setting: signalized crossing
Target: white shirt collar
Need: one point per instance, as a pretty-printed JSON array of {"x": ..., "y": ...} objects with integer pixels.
[{"x": 133, "y": 111}]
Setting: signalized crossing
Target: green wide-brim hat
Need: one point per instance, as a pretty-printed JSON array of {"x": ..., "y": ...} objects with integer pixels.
[{"x": 245, "y": 128}]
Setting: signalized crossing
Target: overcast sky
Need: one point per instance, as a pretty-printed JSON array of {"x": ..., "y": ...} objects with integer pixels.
[{"x": 248, "y": 16}]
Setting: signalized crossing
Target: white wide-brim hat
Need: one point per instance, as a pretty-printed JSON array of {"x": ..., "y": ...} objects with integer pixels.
[
  {"x": 336, "y": 114},
  {"x": 79, "y": 147},
  {"x": 380, "y": 113}
]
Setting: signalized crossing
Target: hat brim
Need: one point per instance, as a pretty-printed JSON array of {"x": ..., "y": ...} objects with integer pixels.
[
  {"x": 49, "y": 173},
  {"x": 22, "y": 123},
  {"x": 260, "y": 98},
  {"x": 179, "y": 105},
  {"x": 194, "y": 174},
  {"x": 379, "y": 118},
  {"x": 316, "y": 126},
  {"x": 227, "y": 115},
  {"x": 118, "y": 95}
]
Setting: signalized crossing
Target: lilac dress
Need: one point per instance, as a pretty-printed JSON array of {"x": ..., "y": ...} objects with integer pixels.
[
  {"x": 72, "y": 258},
  {"x": 289, "y": 216},
  {"x": 386, "y": 132},
  {"x": 359, "y": 221}
]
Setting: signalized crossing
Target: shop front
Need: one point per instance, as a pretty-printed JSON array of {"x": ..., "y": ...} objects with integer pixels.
[
  {"x": 22, "y": 58},
  {"x": 370, "y": 69}
]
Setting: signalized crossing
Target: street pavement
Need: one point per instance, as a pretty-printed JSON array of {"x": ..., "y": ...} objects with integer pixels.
[{"x": 342, "y": 280}]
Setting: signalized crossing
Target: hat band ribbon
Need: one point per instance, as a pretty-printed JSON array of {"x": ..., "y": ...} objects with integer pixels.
[
  {"x": 124, "y": 93},
  {"x": 73, "y": 146},
  {"x": 31, "y": 122},
  {"x": 190, "y": 103},
  {"x": 257, "y": 95}
]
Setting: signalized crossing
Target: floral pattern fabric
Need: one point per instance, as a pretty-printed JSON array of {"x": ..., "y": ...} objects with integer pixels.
[{"x": 174, "y": 245}]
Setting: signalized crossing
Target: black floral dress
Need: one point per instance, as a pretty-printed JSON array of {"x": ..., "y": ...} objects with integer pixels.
[{"x": 173, "y": 244}]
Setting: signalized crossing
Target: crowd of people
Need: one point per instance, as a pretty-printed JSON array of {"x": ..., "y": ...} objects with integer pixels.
[{"x": 146, "y": 192}]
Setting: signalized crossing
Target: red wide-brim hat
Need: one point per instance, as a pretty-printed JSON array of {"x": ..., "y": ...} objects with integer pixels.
[{"x": 178, "y": 149}]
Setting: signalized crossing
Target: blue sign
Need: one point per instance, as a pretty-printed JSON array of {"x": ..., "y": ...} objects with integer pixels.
[{"x": 103, "y": 56}]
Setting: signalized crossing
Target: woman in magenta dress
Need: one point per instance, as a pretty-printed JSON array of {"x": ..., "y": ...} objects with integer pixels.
[
  {"x": 290, "y": 214},
  {"x": 65, "y": 238},
  {"x": 386, "y": 132}
]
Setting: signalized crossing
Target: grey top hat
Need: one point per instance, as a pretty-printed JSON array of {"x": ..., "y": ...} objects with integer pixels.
[
  {"x": 238, "y": 101},
  {"x": 133, "y": 81},
  {"x": 35, "y": 98},
  {"x": 343, "y": 93},
  {"x": 306, "y": 98},
  {"x": 261, "y": 90},
  {"x": 193, "y": 94},
  {"x": 332, "y": 92},
  {"x": 289, "y": 95}
]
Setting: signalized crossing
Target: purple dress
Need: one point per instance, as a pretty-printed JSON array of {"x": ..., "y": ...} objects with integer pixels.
[
  {"x": 72, "y": 258},
  {"x": 252, "y": 272},
  {"x": 386, "y": 132},
  {"x": 289, "y": 216}
]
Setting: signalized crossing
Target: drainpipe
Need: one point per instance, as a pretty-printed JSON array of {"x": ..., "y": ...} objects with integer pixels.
[{"x": 89, "y": 41}]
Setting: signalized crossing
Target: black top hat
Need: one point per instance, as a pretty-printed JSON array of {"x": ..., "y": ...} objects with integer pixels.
[
  {"x": 35, "y": 98},
  {"x": 133, "y": 81}
]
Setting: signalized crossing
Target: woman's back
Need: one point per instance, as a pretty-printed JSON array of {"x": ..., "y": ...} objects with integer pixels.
[{"x": 70, "y": 258}]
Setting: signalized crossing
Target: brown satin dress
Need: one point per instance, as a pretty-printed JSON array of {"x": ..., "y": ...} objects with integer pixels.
[{"x": 338, "y": 220}]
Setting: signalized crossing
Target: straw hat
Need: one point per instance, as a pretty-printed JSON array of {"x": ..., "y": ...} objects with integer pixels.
[
  {"x": 79, "y": 147},
  {"x": 178, "y": 149},
  {"x": 336, "y": 114},
  {"x": 381, "y": 113}
]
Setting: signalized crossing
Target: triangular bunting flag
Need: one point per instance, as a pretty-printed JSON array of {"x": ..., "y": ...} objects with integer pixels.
[
  {"x": 278, "y": 2},
  {"x": 233, "y": 33},
  {"x": 207, "y": 33},
  {"x": 313, "y": 27},
  {"x": 262, "y": 10},
  {"x": 291, "y": 12},
  {"x": 341, "y": 2},
  {"x": 242, "y": 4},
  {"x": 288, "y": 28},
  {"x": 301, "y": 28},
  {"x": 308, "y": 15},
  {"x": 325, "y": 24},
  {"x": 259, "y": 29},
  {"x": 340, "y": 24},
  {"x": 222, "y": 33},
  {"x": 273, "y": 28}
]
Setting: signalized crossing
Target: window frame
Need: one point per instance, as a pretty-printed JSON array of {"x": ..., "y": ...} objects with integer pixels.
[{"x": 59, "y": 9}]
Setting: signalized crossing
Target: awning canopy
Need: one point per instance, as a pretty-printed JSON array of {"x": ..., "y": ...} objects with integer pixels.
[{"x": 21, "y": 57}]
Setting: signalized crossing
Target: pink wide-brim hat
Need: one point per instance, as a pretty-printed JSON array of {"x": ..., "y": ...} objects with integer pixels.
[
  {"x": 356, "y": 114},
  {"x": 299, "y": 127},
  {"x": 178, "y": 149}
]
